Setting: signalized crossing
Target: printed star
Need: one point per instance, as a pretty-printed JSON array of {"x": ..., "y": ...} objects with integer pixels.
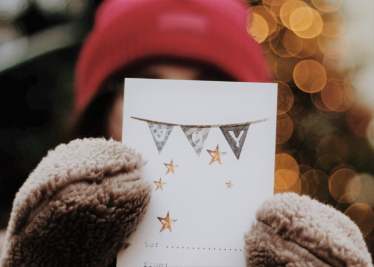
[
  {"x": 229, "y": 184},
  {"x": 166, "y": 222},
  {"x": 216, "y": 155},
  {"x": 159, "y": 184},
  {"x": 170, "y": 167}
]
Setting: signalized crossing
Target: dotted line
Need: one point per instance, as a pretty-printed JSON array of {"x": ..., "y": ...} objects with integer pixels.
[{"x": 211, "y": 249}]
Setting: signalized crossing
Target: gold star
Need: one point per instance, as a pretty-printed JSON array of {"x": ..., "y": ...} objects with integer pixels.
[
  {"x": 170, "y": 167},
  {"x": 166, "y": 222},
  {"x": 159, "y": 184},
  {"x": 229, "y": 184},
  {"x": 216, "y": 155}
]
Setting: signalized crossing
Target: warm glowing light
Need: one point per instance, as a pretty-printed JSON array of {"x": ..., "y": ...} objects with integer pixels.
[
  {"x": 284, "y": 68},
  {"x": 309, "y": 48},
  {"x": 337, "y": 97},
  {"x": 287, "y": 9},
  {"x": 277, "y": 46},
  {"x": 306, "y": 22},
  {"x": 334, "y": 24},
  {"x": 284, "y": 128},
  {"x": 301, "y": 18},
  {"x": 259, "y": 28},
  {"x": 292, "y": 43},
  {"x": 286, "y": 181},
  {"x": 310, "y": 76},
  {"x": 261, "y": 10},
  {"x": 285, "y": 98},
  {"x": 363, "y": 216},
  {"x": 327, "y": 5},
  {"x": 334, "y": 47},
  {"x": 276, "y": 6},
  {"x": 344, "y": 181},
  {"x": 285, "y": 161}
]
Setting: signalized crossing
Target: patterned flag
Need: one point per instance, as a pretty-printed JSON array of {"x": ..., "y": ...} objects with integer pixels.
[
  {"x": 235, "y": 136},
  {"x": 160, "y": 134},
  {"x": 196, "y": 137}
]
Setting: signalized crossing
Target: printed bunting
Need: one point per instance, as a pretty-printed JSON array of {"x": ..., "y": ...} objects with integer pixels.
[
  {"x": 160, "y": 134},
  {"x": 235, "y": 136},
  {"x": 196, "y": 137}
]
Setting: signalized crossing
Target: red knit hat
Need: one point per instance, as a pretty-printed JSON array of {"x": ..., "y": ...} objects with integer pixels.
[{"x": 126, "y": 31}]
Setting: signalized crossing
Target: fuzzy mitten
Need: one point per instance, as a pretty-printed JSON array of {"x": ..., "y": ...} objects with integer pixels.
[
  {"x": 294, "y": 230},
  {"x": 78, "y": 207}
]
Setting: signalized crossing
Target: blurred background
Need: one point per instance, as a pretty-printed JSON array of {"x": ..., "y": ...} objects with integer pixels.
[{"x": 320, "y": 52}]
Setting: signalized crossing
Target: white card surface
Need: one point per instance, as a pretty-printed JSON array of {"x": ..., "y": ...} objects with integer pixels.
[{"x": 212, "y": 179}]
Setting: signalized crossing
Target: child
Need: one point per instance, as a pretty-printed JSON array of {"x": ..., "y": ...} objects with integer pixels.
[{"x": 84, "y": 199}]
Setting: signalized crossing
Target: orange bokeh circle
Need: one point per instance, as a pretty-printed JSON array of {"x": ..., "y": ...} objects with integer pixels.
[
  {"x": 258, "y": 28},
  {"x": 310, "y": 76},
  {"x": 363, "y": 216},
  {"x": 306, "y": 22},
  {"x": 344, "y": 181}
]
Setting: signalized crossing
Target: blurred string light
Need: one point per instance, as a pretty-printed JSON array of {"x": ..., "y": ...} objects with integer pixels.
[{"x": 309, "y": 55}]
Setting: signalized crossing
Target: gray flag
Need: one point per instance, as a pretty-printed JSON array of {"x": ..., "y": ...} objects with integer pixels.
[
  {"x": 196, "y": 137},
  {"x": 235, "y": 136},
  {"x": 160, "y": 133}
]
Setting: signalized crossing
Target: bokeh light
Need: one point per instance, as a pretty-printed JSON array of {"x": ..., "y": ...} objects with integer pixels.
[
  {"x": 325, "y": 139},
  {"x": 345, "y": 181},
  {"x": 259, "y": 28},
  {"x": 306, "y": 22},
  {"x": 288, "y": 8},
  {"x": 363, "y": 216},
  {"x": 337, "y": 97},
  {"x": 310, "y": 76},
  {"x": 285, "y": 161}
]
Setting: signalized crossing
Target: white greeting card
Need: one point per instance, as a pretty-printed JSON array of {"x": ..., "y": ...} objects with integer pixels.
[{"x": 210, "y": 150}]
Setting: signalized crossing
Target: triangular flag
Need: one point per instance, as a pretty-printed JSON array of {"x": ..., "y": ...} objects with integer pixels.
[
  {"x": 235, "y": 136},
  {"x": 196, "y": 137},
  {"x": 160, "y": 133}
]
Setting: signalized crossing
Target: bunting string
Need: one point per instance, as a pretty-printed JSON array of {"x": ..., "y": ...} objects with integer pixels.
[
  {"x": 201, "y": 126},
  {"x": 235, "y": 134}
]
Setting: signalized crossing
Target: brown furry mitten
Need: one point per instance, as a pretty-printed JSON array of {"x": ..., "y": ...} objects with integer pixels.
[
  {"x": 78, "y": 207},
  {"x": 295, "y": 231}
]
